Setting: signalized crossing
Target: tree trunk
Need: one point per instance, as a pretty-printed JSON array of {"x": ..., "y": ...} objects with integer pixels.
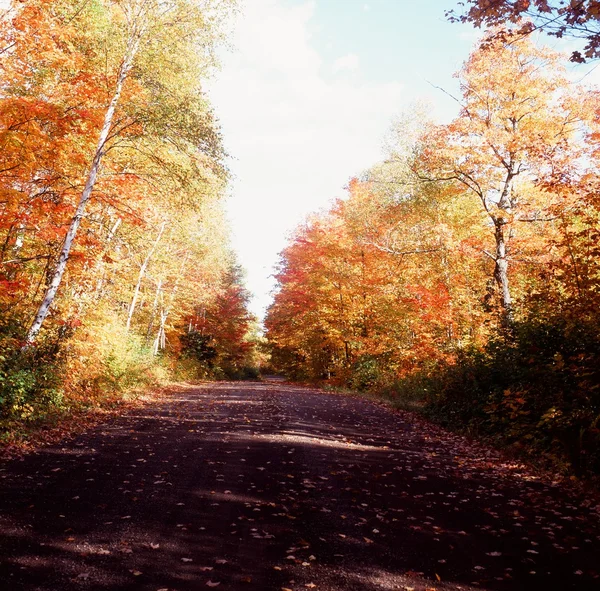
[
  {"x": 154, "y": 306},
  {"x": 501, "y": 272},
  {"x": 101, "y": 264},
  {"x": 61, "y": 264},
  {"x": 141, "y": 274},
  {"x": 160, "y": 341},
  {"x": 161, "y": 338}
]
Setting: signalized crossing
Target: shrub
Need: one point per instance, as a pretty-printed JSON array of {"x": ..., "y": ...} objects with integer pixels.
[
  {"x": 365, "y": 373},
  {"x": 538, "y": 390}
]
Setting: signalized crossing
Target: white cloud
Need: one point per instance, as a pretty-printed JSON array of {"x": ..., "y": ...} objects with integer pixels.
[
  {"x": 347, "y": 62},
  {"x": 296, "y": 136}
]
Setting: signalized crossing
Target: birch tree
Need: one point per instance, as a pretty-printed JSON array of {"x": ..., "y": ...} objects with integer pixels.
[
  {"x": 141, "y": 33},
  {"x": 143, "y": 268}
]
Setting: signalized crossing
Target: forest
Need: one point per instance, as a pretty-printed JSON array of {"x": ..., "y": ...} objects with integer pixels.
[
  {"x": 116, "y": 268},
  {"x": 459, "y": 276},
  {"x": 419, "y": 407}
]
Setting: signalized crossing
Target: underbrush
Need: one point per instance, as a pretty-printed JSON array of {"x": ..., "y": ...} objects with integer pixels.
[
  {"x": 73, "y": 371},
  {"x": 535, "y": 392},
  {"x": 30, "y": 377},
  {"x": 201, "y": 359},
  {"x": 65, "y": 374}
]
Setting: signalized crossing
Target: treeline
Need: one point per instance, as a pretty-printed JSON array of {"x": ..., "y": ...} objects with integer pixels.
[
  {"x": 115, "y": 263},
  {"x": 460, "y": 276}
]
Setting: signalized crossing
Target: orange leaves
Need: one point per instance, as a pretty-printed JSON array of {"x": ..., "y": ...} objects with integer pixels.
[
  {"x": 45, "y": 132},
  {"x": 226, "y": 322},
  {"x": 356, "y": 281},
  {"x": 445, "y": 238},
  {"x": 58, "y": 75}
]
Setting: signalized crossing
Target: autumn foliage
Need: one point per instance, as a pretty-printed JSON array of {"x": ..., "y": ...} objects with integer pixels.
[
  {"x": 143, "y": 202},
  {"x": 460, "y": 275},
  {"x": 575, "y": 19}
]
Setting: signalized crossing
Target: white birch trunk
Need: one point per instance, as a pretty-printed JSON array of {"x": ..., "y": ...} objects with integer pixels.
[
  {"x": 141, "y": 274},
  {"x": 154, "y": 306},
  {"x": 160, "y": 340},
  {"x": 61, "y": 264},
  {"x": 101, "y": 265}
]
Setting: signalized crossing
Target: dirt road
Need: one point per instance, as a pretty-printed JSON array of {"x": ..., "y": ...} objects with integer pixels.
[{"x": 269, "y": 487}]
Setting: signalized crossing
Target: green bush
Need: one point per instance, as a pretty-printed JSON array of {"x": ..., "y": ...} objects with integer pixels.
[
  {"x": 537, "y": 390},
  {"x": 30, "y": 380},
  {"x": 365, "y": 373},
  {"x": 248, "y": 373},
  {"x": 197, "y": 346}
]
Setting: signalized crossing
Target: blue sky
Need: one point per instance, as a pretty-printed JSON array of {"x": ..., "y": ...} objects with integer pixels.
[
  {"x": 305, "y": 99},
  {"x": 394, "y": 39}
]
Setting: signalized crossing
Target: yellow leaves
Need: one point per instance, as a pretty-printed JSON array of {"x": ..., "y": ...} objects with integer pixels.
[{"x": 403, "y": 273}]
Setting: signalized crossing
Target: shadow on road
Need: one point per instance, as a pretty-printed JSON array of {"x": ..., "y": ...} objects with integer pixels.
[{"x": 271, "y": 486}]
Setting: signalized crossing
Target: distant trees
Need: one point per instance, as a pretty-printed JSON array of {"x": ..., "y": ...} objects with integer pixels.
[
  {"x": 404, "y": 259},
  {"x": 223, "y": 328}
]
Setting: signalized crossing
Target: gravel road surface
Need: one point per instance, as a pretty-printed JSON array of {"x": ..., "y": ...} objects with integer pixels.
[{"x": 268, "y": 486}]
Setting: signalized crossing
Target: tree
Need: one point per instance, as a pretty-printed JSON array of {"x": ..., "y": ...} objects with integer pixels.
[
  {"x": 143, "y": 29},
  {"x": 577, "y": 18},
  {"x": 368, "y": 287},
  {"x": 518, "y": 135},
  {"x": 46, "y": 132},
  {"x": 123, "y": 263},
  {"x": 224, "y": 323},
  {"x": 458, "y": 222}
]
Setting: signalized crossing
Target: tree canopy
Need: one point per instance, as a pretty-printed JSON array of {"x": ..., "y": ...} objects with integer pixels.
[{"x": 577, "y": 18}]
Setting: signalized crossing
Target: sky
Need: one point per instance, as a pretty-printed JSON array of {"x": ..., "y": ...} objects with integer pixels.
[{"x": 305, "y": 97}]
